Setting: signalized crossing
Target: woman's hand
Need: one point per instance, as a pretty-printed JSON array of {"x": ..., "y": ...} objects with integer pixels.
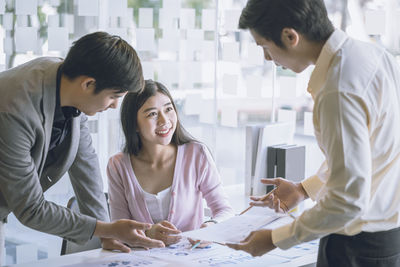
[
  {"x": 124, "y": 233},
  {"x": 203, "y": 244},
  {"x": 164, "y": 231}
]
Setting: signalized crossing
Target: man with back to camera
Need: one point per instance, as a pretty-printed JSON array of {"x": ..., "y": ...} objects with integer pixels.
[
  {"x": 44, "y": 134},
  {"x": 355, "y": 86}
]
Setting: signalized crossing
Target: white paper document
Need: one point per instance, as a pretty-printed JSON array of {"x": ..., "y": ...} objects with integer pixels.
[
  {"x": 232, "y": 230},
  {"x": 213, "y": 255},
  {"x": 122, "y": 259}
]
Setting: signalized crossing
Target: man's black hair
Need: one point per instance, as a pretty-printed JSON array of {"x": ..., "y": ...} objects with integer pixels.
[
  {"x": 109, "y": 59},
  {"x": 269, "y": 17}
]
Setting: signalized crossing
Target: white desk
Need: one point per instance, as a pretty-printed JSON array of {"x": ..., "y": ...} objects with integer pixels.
[
  {"x": 100, "y": 254},
  {"x": 302, "y": 255},
  {"x": 239, "y": 202}
]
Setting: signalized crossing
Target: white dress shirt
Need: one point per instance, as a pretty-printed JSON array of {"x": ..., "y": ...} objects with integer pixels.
[{"x": 355, "y": 86}]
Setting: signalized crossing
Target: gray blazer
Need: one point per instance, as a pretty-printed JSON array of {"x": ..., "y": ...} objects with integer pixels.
[{"x": 27, "y": 105}]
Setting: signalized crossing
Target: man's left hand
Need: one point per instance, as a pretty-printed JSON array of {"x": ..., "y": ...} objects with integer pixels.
[
  {"x": 113, "y": 244},
  {"x": 257, "y": 243}
]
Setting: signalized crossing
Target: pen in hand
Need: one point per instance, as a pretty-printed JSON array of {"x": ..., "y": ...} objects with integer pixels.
[
  {"x": 262, "y": 199},
  {"x": 195, "y": 245}
]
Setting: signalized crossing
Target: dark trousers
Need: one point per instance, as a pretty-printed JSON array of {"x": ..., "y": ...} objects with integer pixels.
[{"x": 362, "y": 250}]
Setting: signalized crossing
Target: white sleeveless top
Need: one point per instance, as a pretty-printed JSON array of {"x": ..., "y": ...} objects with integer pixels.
[{"x": 158, "y": 204}]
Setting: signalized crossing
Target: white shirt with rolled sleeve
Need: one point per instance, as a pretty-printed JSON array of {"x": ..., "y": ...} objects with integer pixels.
[{"x": 356, "y": 89}]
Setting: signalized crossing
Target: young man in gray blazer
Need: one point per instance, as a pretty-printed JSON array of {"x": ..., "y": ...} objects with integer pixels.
[{"x": 44, "y": 134}]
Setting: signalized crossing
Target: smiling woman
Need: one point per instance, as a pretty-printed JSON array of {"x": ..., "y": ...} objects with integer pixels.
[
  {"x": 163, "y": 173},
  {"x": 157, "y": 120}
]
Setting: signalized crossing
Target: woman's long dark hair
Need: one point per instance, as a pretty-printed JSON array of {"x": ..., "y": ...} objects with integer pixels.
[{"x": 129, "y": 110}]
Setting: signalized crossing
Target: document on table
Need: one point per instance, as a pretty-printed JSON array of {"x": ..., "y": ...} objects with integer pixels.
[
  {"x": 232, "y": 230},
  {"x": 181, "y": 255},
  {"x": 122, "y": 259},
  {"x": 213, "y": 255}
]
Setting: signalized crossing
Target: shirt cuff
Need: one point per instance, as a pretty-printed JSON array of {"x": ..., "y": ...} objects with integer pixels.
[
  {"x": 312, "y": 186},
  {"x": 94, "y": 229},
  {"x": 283, "y": 237}
]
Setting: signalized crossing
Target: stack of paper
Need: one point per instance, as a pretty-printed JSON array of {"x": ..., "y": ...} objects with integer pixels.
[{"x": 232, "y": 230}]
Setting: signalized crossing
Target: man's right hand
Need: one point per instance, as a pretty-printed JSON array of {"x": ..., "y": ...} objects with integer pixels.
[
  {"x": 285, "y": 197},
  {"x": 114, "y": 235}
]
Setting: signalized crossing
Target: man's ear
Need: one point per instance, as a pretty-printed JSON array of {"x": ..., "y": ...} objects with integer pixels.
[
  {"x": 290, "y": 37},
  {"x": 88, "y": 83}
]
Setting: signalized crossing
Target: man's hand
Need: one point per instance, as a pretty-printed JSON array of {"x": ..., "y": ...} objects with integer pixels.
[
  {"x": 116, "y": 234},
  {"x": 257, "y": 243},
  {"x": 164, "y": 231},
  {"x": 285, "y": 197},
  {"x": 113, "y": 244}
]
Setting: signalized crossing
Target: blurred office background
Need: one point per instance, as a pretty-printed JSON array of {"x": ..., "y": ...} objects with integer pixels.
[{"x": 216, "y": 74}]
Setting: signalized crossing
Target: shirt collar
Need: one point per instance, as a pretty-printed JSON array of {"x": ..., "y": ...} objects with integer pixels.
[
  {"x": 58, "y": 114},
  {"x": 63, "y": 113},
  {"x": 318, "y": 76}
]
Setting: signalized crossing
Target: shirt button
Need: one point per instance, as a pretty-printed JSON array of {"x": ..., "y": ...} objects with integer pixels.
[
  {"x": 173, "y": 194},
  {"x": 171, "y": 212}
]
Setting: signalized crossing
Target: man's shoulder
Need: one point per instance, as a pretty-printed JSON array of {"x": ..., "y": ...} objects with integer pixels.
[
  {"x": 40, "y": 63},
  {"x": 24, "y": 84},
  {"x": 353, "y": 67},
  {"x": 27, "y": 75}
]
